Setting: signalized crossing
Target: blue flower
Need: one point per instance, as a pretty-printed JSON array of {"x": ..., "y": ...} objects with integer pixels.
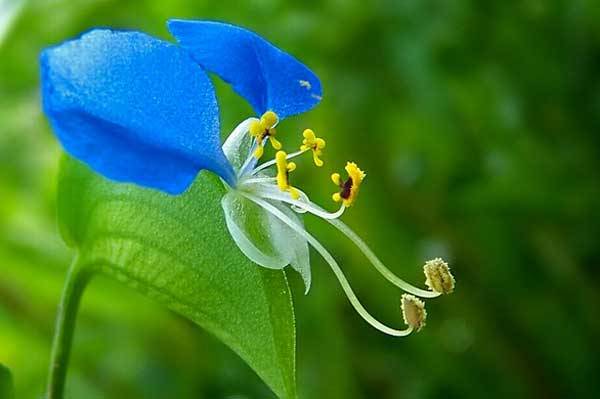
[
  {"x": 134, "y": 108},
  {"x": 138, "y": 109},
  {"x": 270, "y": 79},
  {"x": 141, "y": 110}
]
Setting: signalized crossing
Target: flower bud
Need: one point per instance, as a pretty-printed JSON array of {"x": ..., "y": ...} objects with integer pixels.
[
  {"x": 438, "y": 276},
  {"x": 413, "y": 311}
]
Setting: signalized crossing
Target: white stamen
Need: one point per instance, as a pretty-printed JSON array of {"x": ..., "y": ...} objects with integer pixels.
[
  {"x": 370, "y": 255},
  {"x": 305, "y": 204},
  {"x": 303, "y": 197},
  {"x": 259, "y": 180},
  {"x": 248, "y": 162},
  {"x": 334, "y": 266},
  {"x": 387, "y": 273},
  {"x": 272, "y": 162}
]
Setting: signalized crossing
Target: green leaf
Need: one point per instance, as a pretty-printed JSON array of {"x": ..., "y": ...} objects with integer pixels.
[
  {"x": 177, "y": 250},
  {"x": 6, "y": 383}
]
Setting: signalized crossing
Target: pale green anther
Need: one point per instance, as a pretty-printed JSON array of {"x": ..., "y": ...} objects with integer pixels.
[
  {"x": 413, "y": 312},
  {"x": 438, "y": 277}
]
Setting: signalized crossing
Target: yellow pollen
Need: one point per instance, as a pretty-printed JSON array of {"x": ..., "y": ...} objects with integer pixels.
[
  {"x": 256, "y": 128},
  {"x": 349, "y": 188},
  {"x": 276, "y": 144},
  {"x": 283, "y": 170},
  {"x": 264, "y": 128},
  {"x": 336, "y": 179},
  {"x": 314, "y": 143},
  {"x": 260, "y": 150},
  {"x": 269, "y": 119}
]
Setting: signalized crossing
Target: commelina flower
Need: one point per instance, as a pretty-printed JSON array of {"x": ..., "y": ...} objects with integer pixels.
[{"x": 141, "y": 110}]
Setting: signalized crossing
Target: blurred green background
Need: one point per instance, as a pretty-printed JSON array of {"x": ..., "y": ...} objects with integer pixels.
[{"x": 478, "y": 125}]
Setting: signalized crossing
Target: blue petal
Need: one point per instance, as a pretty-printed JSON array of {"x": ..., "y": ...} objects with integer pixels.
[
  {"x": 258, "y": 71},
  {"x": 135, "y": 108}
]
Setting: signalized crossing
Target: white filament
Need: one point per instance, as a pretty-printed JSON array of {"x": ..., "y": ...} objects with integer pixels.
[
  {"x": 370, "y": 255},
  {"x": 259, "y": 180},
  {"x": 304, "y": 204},
  {"x": 247, "y": 164},
  {"x": 387, "y": 273},
  {"x": 334, "y": 266},
  {"x": 272, "y": 162}
]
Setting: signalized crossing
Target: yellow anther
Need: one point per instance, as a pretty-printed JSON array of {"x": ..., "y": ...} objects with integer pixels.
[
  {"x": 282, "y": 170},
  {"x": 256, "y": 129},
  {"x": 269, "y": 119},
  {"x": 349, "y": 188},
  {"x": 295, "y": 194},
  {"x": 283, "y": 174},
  {"x": 274, "y": 142},
  {"x": 309, "y": 138},
  {"x": 314, "y": 143},
  {"x": 317, "y": 160},
  {"x": 262, "y": 129},
  {"x": 336, "y": 179},
  {"x": 260, "y": 150}
]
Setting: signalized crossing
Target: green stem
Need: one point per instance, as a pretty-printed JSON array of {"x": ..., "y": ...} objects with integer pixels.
[{"x": 77, "y": 279}]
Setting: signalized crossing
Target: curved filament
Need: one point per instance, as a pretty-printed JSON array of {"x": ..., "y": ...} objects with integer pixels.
[
  {"x": 334, "y": 266},
  {"x": 300, "y": 205},
  {"x": 381, "y": 268},
  {"x": 267, "y": 164}
]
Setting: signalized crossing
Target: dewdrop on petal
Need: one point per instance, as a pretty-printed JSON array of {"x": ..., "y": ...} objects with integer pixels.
[
  {"x": 413, "y": 312},
  {"x": 438, "y": 276}
]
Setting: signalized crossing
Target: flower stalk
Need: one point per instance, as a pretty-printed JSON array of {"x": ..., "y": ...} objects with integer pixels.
[{"x": 76, "y": 281}]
